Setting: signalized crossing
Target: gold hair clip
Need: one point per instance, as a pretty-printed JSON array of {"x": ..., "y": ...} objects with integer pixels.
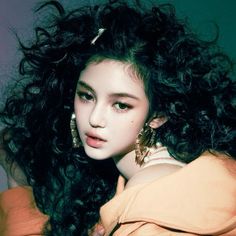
[{"x": 100, "y": 32}]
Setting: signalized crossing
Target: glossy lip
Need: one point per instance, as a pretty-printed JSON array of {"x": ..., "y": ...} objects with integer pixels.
[
  {"x": 94, "y": 140},
  {"x": 95, "y": 136}
]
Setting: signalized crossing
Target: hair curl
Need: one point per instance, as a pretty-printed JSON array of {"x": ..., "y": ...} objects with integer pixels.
[{"x": 186, "y": 79}]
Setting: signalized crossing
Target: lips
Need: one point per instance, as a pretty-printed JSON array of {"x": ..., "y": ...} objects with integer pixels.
[{"x": 94, "y": 141}]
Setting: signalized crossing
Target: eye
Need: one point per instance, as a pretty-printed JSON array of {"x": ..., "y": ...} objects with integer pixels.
[
  {"x": 85, "y": 96},
  {"x": 122, "y": 107}
]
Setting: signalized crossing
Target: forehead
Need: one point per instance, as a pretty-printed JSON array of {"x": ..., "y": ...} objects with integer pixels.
[{"x": 112, "y": 75}]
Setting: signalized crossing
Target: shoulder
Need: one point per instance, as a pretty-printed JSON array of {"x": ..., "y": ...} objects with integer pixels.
[{"x": 180, "y": 201}]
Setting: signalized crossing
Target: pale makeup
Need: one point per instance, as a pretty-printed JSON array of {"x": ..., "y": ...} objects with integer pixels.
[{"x": 111, "y": 108}]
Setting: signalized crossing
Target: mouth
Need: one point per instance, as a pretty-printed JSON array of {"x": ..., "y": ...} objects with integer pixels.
[{"x": 94, "y": 140}]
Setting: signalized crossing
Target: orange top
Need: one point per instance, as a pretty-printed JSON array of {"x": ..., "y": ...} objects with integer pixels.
[
  {"x": 199, "y": 199},
  {"x": 19, "y": 215}
]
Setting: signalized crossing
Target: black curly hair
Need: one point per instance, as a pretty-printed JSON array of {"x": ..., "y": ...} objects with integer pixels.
[{"x": 187, "y": 80}]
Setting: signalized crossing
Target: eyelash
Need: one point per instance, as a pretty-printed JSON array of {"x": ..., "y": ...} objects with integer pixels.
[
  {"x": 125, "y": 108},
  {"x": 119, "y": 107},
  {"x": 84, "y": 96}
]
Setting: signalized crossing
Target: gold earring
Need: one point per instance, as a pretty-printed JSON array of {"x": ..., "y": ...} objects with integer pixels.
[
  {"x": 74, "y": 132},
  {"x": 144, "y": 142}
]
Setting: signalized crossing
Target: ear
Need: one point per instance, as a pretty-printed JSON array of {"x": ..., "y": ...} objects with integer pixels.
[{"x": 157, "y": 122}]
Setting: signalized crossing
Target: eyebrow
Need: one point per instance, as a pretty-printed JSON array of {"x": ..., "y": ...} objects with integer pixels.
[
  {"x": 85, "y": 85},
  {"x": 124, "y": 95},
  {"x": 113, "y": 95}
]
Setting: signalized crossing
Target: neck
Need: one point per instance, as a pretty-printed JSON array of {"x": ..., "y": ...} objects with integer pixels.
[
  {"x": 160, "y": 156},
  {"x": 126, "y": 165},
  {"x": 159, "y": 161}
]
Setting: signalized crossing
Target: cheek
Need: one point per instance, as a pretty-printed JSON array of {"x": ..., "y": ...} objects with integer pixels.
[
  {"x": 76, "y": 105},
  {"x": 137, "y": 123},
  {"x": 135, "y": 127},
  {"x": 131, "y": 129},
  {"x": 80, "y": 108},
  {"x": 80, "y": 112}
]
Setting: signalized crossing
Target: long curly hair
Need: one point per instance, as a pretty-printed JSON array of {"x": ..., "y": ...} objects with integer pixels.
[{"x": 187, "y": 80}]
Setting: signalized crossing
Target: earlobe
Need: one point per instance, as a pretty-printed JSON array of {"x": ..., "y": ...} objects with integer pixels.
[{"x": 157, "y": 122}]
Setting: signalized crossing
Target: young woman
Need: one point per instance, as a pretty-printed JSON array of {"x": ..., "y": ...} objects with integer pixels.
[{"x": 132, "y": 89}]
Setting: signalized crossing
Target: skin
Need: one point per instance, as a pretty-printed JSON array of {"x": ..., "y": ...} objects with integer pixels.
[
  {"x": 111, "y": 108},
  {"x": 115, "y": 112},
  {"x": 109, "y": 119}
]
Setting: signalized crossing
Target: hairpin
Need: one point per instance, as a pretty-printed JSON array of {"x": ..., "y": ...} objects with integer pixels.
[{"x": 100, "y": 32}]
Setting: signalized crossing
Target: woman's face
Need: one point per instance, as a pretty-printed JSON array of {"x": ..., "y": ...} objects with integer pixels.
[{"x": 111, "y": 108}]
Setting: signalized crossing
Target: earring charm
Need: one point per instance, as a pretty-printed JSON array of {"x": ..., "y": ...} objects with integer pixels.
[
  {"x": 144, "y": 143},
  {"x": 74, "y": 132}
]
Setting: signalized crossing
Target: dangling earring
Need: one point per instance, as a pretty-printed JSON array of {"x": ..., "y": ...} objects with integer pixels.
[
  {"x": 74, "y": 132},
  {"x": 144, "y": 143}
]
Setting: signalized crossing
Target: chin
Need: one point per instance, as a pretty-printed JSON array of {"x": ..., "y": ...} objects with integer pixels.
[{"x": 96, "y": 154}]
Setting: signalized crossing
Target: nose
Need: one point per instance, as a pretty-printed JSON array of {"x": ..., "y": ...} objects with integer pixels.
[{"x": 97, "y": 117}]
